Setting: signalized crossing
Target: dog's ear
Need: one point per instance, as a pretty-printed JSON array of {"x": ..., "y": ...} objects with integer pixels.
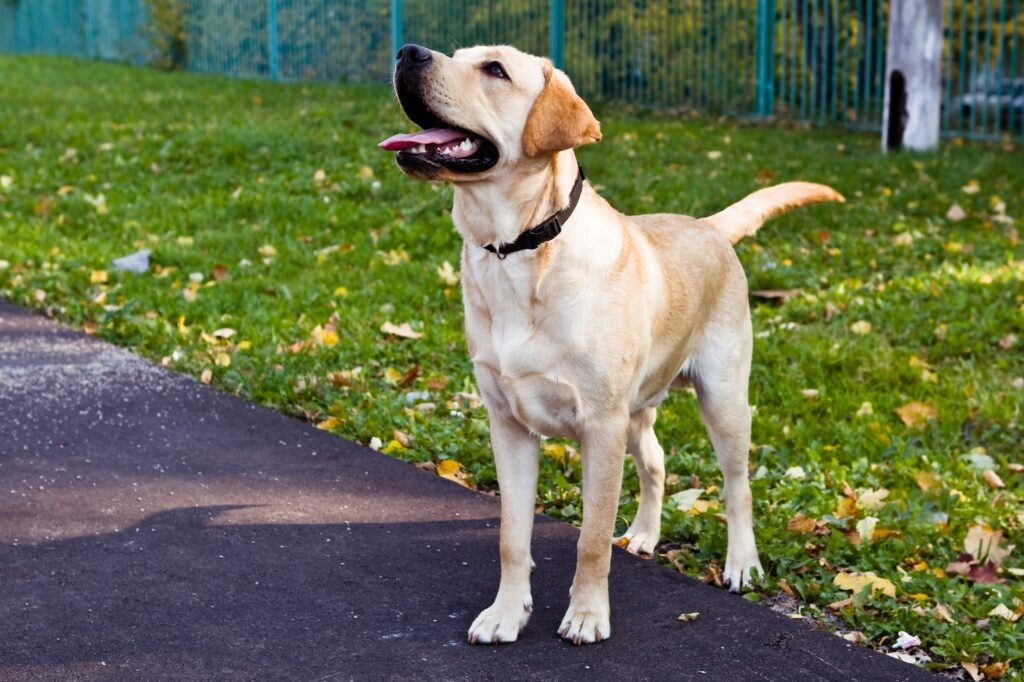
[{"x": 559, "y": 119}]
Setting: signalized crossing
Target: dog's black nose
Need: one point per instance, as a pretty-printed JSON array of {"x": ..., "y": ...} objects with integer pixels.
[{"x": 413, "y": 55}]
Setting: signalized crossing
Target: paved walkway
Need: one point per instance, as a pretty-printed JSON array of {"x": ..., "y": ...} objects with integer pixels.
[{"x": 152, "y": 528}]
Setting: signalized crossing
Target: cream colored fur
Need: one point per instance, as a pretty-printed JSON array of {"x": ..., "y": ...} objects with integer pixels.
[{"x": 583, "y": 337}]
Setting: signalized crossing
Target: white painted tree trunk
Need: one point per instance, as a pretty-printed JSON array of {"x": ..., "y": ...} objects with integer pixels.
[{"x": 914, "y": 56}]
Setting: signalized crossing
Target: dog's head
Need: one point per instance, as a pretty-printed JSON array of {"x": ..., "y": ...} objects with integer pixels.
[{"x": 484, "y": 110}]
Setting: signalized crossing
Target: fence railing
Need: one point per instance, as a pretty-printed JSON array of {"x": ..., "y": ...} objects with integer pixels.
[{"x": 811, "y": 60}]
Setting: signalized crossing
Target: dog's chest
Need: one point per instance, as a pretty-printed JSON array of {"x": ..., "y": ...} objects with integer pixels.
[{"x": 523, "y": 368}]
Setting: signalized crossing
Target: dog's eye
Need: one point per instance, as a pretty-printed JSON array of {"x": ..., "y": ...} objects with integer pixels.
[{"x": 495, "y": 69}]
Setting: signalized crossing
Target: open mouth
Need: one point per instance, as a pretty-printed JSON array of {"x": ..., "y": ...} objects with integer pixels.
[{"x": 440, "y": 145}]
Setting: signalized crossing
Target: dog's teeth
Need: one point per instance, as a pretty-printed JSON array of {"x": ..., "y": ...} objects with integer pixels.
[
  {"x": 467, "y": 144},
  {"x": 419, "y": 149}
]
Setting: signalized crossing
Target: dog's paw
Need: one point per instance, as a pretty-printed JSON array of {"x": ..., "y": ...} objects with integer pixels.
[
  {"x": 638, "y": 541},
  {"x": 739, "y": 571},
  {"x": 501, "y": 622},
  {"x": 586, "y": 626}
]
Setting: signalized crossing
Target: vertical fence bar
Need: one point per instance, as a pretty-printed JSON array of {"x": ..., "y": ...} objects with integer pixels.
[
  {"x": 273, "y": 48},
  {"x": 765, "y": 54},
  {"x": 558, "y": 33},
  {"x": 396, "y": 30}
]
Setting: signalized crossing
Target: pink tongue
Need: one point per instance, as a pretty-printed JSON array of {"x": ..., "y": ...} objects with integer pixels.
[{"x": 397, "y": 143}]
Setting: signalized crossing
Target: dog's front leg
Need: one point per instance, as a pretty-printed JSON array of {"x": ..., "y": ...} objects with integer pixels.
[
  {"x": 516, "y": 453},
  {"x": 604, "y": 448}
]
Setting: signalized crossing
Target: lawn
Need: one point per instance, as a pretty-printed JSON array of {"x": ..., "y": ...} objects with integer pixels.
[{"x": 294, "y": 265}]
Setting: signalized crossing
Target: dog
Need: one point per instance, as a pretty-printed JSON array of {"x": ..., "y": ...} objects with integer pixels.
[{"x": 579, "y": 319}]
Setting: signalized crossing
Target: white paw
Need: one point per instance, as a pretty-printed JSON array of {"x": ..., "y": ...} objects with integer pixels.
[
  {"x": 638, "y": 540},
  {"x": 739, "y": 571},
  {"x": 586, "y": 626},
  {"x": 501, "y": 622}
]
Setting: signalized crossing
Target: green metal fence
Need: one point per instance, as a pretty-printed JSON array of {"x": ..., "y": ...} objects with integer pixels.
[{"x": 820, "y": 61}]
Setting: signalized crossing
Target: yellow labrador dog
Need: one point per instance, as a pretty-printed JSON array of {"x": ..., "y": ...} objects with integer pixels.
[{"x": 579, "y": 318}]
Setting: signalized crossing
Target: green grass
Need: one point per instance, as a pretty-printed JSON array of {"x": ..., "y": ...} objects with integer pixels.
[{"x": 208, "y": 173}]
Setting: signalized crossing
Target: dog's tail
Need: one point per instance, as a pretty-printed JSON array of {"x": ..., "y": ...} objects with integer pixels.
[{"x": 748, "y": 214}]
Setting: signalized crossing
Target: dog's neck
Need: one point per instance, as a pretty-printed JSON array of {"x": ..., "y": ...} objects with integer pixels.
[{"x": 498, "y": 210}]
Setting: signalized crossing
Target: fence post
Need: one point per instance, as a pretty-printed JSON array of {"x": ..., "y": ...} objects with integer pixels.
[
  {"x": 273, "y": 55},
  {"x": 764, "y": 67},
  {"x": 90, "y": 29},
  {"x": 558, "y": 33},
  {"x": 396, "y": 31}
]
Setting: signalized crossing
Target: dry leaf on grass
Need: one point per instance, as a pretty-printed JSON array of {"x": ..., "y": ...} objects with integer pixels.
[
  {"x": 403, "y": 330},
  {"x": 916, "y": 414},
  {"x": 855, "y": 582}
]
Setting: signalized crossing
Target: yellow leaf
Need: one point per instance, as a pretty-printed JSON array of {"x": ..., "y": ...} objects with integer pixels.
[
  {"x": 223, "y": 360},
  {"x": 866, "y": 408},
  {"x": 394, "y": 257},
  {"x": 329, "y": 424},
  {"x": 448, "y": 468},
  {"x": 267, "y": 251},
  {"x": 855, "y": 582},
  {"x": 365, "y": 172},
  {"x": 341, "y": 291},
  {"x": 392, "y": 447},
  {"x": 392, "y": 376},
  {"x": 98, "y": 277},
  {"x": 972, "y": 187},
  {"x": 916, "y": 414},
  {"x": 554, "y": 450},
  {"x": 926, "y": 480},
  {"x": 447, "y": 274},
  {"x": 325, "y": 337},
  {"x": 244, "y": 345},
  {"x": 845, "y": 507},
  {"x": 181, "y": 324}
]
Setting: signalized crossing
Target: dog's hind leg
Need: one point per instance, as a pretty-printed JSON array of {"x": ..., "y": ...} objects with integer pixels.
[
  {"x": 721, "y": 374},
  {"x": 642, "y": 444},
  {"x": 516, "y": 455}
]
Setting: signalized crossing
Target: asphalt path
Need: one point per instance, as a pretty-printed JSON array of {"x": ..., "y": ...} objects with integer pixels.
[{"x": 152, "y": 528}]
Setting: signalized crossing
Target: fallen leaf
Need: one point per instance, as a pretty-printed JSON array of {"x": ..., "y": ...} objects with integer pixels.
[
  {"x": 207, "y": 376},
  {"x": 906, "y": 641},
  {"x": 688, "y": 617},
  {"x": 866, "y": 409},
  {"x": 686, "y": 499},
  {"x": 992, "y": 478},
  {"x": 224, "y": 333},
  {"x": 982, "y": 542},
  {"x": 809, "y": 393},
  {"x": 855, "y": 582},
  {"x": 796, "y": 472},
  {"x": 447, "y": 274},
  {"x": 866, "y": 528},
  {"x": 98, "y": 277},
  {"x": 267, "y": 251},
  {"x": 845, "y": 507},
  {"x": 900, "y": 656},
  {"x": 1002, "y": 611},
  {"x": 861, "y": 327},
  {"x": 972, "y": 187},
  {"x": 973, "y": 671},
  {"x": 330, "y": 423},
  {"x": 403, "y": 330},
  {"x": 926, "y": 481},
  {"x": 220, "y": 272},
  {"x": 452, "y": 470},
  {"x": 223, "y": 360},
  {"x": 996, "y": 669},
  {"x": 365, "y": 172},
  {"x": 855, "y": 636},
  {"x": 916, "y": 414},
  {"x": 956, "y": 213},
  {"x": 801, "y": 524},
  {"x": 872, "y": 499},
  {"x": 1008, "y": 341},
  {"x": 986, "y": 573}
]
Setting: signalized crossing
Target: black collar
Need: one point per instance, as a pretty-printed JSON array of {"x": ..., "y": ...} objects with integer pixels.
[{"x": 547, "y": 230}]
